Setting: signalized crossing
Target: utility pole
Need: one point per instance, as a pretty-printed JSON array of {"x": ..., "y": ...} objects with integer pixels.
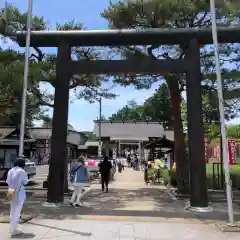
[
  {"x": 100, "y": 128},
  {"x": 25, "y": 80},
  {"x": 222, "y": 119}
]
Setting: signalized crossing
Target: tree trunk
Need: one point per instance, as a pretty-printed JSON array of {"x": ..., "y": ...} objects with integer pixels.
[{"x": 182, "y": 166}]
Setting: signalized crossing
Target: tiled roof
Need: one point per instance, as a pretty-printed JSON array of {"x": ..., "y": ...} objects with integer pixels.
[
  {"x": 37, "y": 133},
  {"x": 41, "y": 133},
  {"x": 129, "y": 130},
  {"x": 4, "y": 131}
]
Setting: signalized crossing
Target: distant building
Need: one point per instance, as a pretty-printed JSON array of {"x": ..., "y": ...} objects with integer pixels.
[
  {"x": 121, "y": 135},
  {"x": 37, "y": 143}
]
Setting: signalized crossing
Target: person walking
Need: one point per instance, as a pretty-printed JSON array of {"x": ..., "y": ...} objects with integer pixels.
[
  {"x": 135, "y": 162},
  {"x": 122, "y": 164},
  {"x": 129, "y": 160},
  {"x": 78, "y": 176},
  {"x": 119, "y": 165},
  {"x": 39, "y": 159},
  {"x": 17, "y": 178},
  {"x": 146, "y": 172},
  {"x": 105, "y": 167}
]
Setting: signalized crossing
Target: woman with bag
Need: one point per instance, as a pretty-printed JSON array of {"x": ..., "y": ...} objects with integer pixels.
[
  {"x": 17, "y": 178},
  {"x": 78, "y": 176}
]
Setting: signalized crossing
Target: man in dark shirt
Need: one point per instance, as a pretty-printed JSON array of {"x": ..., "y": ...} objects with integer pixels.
[{"x": 105, "y": 167}]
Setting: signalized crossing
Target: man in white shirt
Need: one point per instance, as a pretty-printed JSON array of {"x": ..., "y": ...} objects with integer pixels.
[{"x": 16, "y": 179}]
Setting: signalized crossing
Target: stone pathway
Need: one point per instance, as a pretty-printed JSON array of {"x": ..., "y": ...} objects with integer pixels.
[
  {"x": 103, "y": 230},
  {"x": 129, "y": 193},
  {"x": 131, "y": 210},
  {"x": 128, "y": 196},
  {"x": 128, "y": 179}
]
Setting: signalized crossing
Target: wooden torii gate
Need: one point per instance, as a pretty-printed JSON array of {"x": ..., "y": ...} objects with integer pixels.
[{"x": 65, "y": 68}]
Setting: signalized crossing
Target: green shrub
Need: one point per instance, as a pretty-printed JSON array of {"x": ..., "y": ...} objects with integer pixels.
[
  {"x": 163, "y": 173},
  {"x": 151, "y": 172}
]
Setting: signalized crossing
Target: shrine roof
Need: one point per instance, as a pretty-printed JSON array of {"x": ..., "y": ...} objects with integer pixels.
[
  {"x": 124, "y": 37},
  {"x": 129, "y": 130}
]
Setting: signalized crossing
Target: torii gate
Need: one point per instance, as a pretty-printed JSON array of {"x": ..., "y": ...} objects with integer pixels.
[{"x": 65, "y": 68}]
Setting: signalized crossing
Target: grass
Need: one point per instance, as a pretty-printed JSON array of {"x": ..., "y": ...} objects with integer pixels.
[
  {"x": 234, "y": 174},
  {"x": 170, "y": 175}
]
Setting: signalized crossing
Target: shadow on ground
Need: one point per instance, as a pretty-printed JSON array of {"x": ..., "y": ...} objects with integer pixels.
[
  {"x": 30, "y": 183},
  {"x": 24, "y": 236},
  {"x": 143, "y": 202}
]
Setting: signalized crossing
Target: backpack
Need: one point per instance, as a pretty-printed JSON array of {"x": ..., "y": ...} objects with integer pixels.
[{"x": 72, "y": 174}]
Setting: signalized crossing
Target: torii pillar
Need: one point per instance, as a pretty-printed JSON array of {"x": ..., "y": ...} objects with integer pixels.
[
  {"x": 198, "y": 181},
  {"x": 59, "y": 153}
]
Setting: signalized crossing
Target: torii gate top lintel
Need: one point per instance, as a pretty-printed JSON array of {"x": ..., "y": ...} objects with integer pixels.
[{"x": 125, "y": 37}]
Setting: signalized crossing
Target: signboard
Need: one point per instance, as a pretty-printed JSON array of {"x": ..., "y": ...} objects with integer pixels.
[
  {"x": 206, "y": 149},
  {"x": 232, "y": 152}
]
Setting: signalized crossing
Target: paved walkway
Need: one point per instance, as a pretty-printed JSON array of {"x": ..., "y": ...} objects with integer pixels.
[
  {"x": 130, "y": 211},
  {"x": 104, "y": 230},
  {"x": 129, "y": 193},
  {"x": 129, "y": 179},
  {"x": 128, "y": 196}
]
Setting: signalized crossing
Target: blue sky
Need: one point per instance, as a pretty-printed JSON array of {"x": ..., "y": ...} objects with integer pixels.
[{"x": 81, "y": 113}]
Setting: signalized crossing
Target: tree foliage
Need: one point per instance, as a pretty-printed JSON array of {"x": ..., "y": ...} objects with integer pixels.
[
  {"x": 233, "y": 131},
  {"x": 132, "y": 111},
  {"x": 88, "y": 86},
  {"x": 90, "y": 136},
  {"x": 142, "y": 14},
  {"x": 11, "y": 74},
  {"x": 156, "y": 108}
]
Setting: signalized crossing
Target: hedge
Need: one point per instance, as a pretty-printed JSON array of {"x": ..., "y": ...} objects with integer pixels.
[{"x": 169, "y": 176}]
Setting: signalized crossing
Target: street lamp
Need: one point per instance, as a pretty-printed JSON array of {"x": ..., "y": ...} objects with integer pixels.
[
  {"x": 221, "y": 110},
  {"x": 25, "y": 80}
]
